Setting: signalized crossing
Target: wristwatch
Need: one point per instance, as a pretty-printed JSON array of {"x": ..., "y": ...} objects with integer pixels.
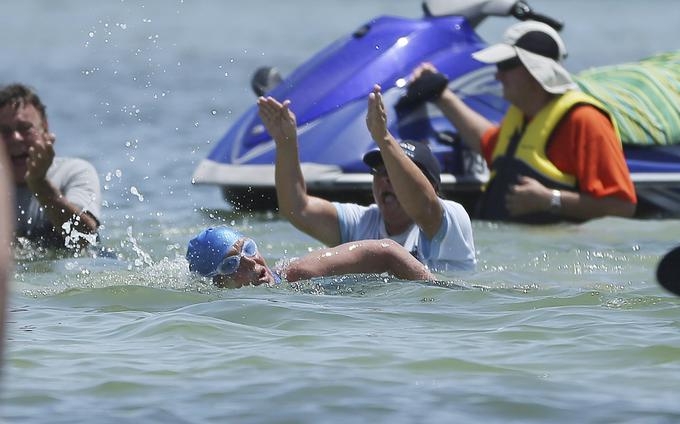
[{"x": 556, "y": 201}]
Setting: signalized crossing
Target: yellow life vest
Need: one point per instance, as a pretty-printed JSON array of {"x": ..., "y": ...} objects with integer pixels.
[
  {"x": 534, "y": 140},
  {"x": 522, "y": 150}
]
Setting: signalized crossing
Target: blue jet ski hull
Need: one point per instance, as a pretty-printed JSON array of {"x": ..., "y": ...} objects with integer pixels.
[{"x": 329, "y": 96}]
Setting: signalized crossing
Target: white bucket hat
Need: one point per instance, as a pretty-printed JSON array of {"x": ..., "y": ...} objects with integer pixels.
[{"x": 540, "y": 49}]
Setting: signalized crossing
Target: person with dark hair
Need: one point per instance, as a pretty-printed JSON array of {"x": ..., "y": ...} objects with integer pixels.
[
  {"x": 233, "y": 260},
  {"x": 557, "y": 154},
  {"x": 58, "y": 199},
  {"x": 407, "y": 208}
]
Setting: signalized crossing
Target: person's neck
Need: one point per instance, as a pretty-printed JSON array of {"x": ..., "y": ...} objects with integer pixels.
[
  {"x": 396, "y": 228},
  {"x": 531, "y": 105}
]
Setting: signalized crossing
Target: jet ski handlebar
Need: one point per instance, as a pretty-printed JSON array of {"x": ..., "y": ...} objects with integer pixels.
[
  {"x": 523, "y": 12},
  {"x": 475, "y": 11}
]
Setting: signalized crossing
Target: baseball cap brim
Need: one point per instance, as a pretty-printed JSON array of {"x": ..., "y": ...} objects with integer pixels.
[
  {"x": 551, "y": 75},
  {"x": 373, "y": 158},
  {"x": 496, "y": 53},
  {"x": 431, "y": 168}
]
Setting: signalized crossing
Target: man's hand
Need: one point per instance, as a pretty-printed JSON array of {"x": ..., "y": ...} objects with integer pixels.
[
  {"x": 427, "y": 85},
  {"x": 528, "y": 196},
  {"x": 376, "y": 117},
  {"x": 40, "y": 158},
  {"x": 278, "y": 119},
  {"x": 423, "y": 68}
]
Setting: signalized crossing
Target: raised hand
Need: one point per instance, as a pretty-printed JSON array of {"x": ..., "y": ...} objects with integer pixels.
[
  {"x": 423, "y": 68},
  {"x": 278, "y": 119},
  {"x": 40, "y": 158},
  {"x": 376, "y": 117}
]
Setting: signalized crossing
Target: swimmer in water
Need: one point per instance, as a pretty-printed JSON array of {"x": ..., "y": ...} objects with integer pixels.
[{"x": 233, "y": 260}]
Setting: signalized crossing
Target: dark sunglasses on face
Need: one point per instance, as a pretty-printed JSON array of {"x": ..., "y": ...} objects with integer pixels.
[
  {"x": 509, "y": 64},
  {"x": 230, "y": 264}
]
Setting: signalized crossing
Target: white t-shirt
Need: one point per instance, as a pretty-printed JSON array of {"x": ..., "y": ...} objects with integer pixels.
[
  {"x": 78, "y": 182},
  {"x": 451, "y": 249}
]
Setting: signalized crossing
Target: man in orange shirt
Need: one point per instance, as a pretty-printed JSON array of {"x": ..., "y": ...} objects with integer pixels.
[{"x": 556, "y": 155}]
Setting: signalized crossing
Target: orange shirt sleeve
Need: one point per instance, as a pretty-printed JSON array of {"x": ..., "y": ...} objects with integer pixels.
[
  {"x": 585, "y": 145},
  {"x": 488, "y": 143}
]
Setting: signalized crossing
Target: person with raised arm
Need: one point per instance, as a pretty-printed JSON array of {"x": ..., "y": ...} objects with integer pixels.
[
  {"x": 557, "y": 154},
  {"x": 406, "y": 179},
  {"x": 58, "y": 199}
]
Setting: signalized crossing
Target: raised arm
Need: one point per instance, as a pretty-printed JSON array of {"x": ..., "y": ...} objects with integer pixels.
[
  {"x": 58, "y": 208},
  {"x": 360, "y": 257},
  {"x": 313, "y": 215},
  {"x": 414, "y": 191},
  {"x": 470, "y": 124}
]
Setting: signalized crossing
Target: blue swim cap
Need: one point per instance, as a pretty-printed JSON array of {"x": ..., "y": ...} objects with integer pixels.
[{"x": 207, "y": 250}]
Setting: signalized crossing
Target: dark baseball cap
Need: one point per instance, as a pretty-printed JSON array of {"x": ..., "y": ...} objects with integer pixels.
[{"x": 419, "y": 153}]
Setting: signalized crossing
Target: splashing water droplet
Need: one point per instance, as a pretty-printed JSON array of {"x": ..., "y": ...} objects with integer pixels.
[{"x": 136, "y": 192}]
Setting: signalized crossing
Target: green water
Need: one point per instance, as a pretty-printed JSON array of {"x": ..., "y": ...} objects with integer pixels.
[{"x": 556, "y": 321}]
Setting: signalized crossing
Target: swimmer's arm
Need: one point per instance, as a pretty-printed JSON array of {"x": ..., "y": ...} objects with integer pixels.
[{"x": 360, "y": 257}]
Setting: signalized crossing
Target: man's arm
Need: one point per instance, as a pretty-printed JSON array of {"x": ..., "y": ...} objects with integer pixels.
[
  {"x": 360, "y": 257},
  {"x": 310, "y": 214},
  {"x": 529, "y": 196},
  {"x": 586, "y": 142},
  {"x": 57, "y": 207},
  {"x": 470, "y": 124},
  {"x": 414, "y": 191}
]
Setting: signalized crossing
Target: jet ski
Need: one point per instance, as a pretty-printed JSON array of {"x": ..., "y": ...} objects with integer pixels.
[{"x": 329, "y": 92}]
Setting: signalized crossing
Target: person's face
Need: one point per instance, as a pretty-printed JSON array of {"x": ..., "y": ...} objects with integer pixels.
[
  {"x": 252, "y": 270},
  {"x": 515, "y": 79},
  {"x": 392, "y": 212},
  {"x": 20, "y": 128}
]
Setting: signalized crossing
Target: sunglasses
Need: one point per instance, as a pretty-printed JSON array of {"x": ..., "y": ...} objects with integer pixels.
[
  {"x": 509, "y": 64},
  {"x": 230, "y": 264}
]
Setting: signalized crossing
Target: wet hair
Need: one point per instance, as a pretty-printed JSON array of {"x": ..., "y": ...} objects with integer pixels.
[{"x": 17, "y": 95}]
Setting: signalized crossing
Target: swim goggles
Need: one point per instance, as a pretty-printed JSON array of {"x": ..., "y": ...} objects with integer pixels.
[{"x": 230, "y": 264}]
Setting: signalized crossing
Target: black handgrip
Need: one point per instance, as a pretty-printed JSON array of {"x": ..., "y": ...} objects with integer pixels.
[
  {"x": 427, "y": 88},
  {"x": 523, "y": 12},
  {"x": 557, "y": 25}
]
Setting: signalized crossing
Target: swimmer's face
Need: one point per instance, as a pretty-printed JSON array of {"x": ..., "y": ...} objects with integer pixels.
[{"x": 252, "y": 269}]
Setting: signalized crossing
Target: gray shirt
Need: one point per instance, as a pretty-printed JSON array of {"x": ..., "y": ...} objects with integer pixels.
[
  {"x": 451, "y": 249},
  {"x": 78, "y": 182}
]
